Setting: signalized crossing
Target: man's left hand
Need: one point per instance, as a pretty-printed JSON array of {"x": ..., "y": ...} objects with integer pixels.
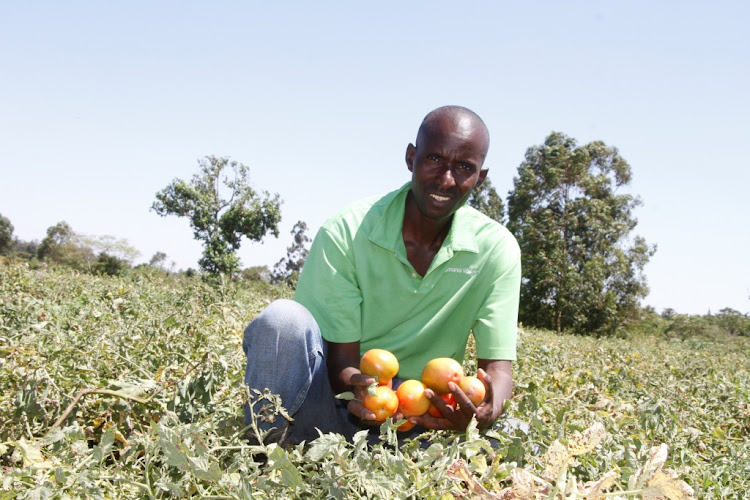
[{"x": 458, "y": 419}]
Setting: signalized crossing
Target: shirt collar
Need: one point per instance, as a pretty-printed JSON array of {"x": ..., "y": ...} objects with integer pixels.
[{"x": 386, "y": 233}]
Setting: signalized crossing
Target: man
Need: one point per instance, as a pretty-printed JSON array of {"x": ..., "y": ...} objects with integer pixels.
[{"x": 413, "y": 272}]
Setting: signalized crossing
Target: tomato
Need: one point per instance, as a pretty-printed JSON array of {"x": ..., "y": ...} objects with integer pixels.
[
  {"x": 449, "y": 400},
  {"x": 406, "y": 426},
  {"x": 384, "y": 404},
  {"x": 439, "y": 372},
  {"x": 411, "y": 398},
  {"x": 379, "y": 363},
  {"x": 474, "y": 389}
]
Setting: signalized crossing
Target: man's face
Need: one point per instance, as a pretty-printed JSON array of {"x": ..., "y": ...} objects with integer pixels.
[{"x": 446, "y": 164}]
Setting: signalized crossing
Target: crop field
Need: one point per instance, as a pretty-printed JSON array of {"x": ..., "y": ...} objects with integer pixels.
[{"x": 132, "y": 387}]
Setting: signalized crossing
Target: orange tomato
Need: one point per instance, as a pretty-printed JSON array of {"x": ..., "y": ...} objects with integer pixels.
[
  {"x": 449, "y": 400},
  {"x": 411, "y": 398},
  {"x": 439, "y": 372},
  {"x": 384, "y": 404},
  {"x": 474, "y": 389},
  {"x": 379, "y": 363},
  {"x": 406, "y": 426}
]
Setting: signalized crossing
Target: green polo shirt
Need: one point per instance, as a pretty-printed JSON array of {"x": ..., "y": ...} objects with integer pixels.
[{"x": 359, "y": 285}]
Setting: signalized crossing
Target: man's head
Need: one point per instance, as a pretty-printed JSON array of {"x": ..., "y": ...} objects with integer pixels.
[{"x": 447, "y": 161}]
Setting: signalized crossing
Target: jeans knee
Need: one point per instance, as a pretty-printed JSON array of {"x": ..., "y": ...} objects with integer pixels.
[{"x": 283, "y": 320}]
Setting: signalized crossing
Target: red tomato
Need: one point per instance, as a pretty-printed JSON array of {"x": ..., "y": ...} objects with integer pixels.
[{"x": 449, "y": 400}]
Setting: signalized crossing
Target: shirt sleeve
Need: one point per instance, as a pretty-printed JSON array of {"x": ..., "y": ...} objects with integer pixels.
[
  {"x": 328, "y": 288},
  {"x": 496, "y": 327}
]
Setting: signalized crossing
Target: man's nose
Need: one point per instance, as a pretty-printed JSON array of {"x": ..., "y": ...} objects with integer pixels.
[{"x": 446, "y": 178}]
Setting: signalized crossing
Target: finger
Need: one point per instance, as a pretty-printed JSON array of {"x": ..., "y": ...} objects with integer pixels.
[
  {"x": 358, "y": 379},
  {"x": 487, "y": 381},
  {"x": 460, "y": 396},
  {"x": 429, "y": 422},
  {"x": 356, "y": 408}
]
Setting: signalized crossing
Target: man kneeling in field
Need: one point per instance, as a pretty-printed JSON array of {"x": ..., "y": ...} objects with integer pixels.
[{"x": 413, "y": 272}]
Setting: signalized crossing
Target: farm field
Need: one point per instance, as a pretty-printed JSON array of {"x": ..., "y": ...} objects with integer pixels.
[{"x": 131, "y": 388}]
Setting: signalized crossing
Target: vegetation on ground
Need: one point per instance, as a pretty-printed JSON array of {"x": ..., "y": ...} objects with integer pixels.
[{"x": 131, "y": 387}]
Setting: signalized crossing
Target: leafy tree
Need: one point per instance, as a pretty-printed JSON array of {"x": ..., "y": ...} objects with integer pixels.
[
  {"x": 582, "y": 271},
  {"x": 485, "y": 199},
  {"x": 96, "y": 249},
  {"x": 62, "y": 246},
  {"x": 101, "y": 254},
  {"x": 22, "y": 249},
  {"x": 110, "y": 265},
  {"x": 158, "y": 260},
  {"x": 256, "y": 273},
  {"x": 6, "y": 234},
  {"x": 733, "y": 321},
  {"x": 288, "y": 269},
  {"x": 217, "y": 220}
]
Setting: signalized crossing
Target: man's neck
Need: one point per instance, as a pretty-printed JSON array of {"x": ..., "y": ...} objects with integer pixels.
[{"x": 422, "y": 236}]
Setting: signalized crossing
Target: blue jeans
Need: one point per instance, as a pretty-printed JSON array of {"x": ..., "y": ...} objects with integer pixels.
[{"x": 287, "y": 355}]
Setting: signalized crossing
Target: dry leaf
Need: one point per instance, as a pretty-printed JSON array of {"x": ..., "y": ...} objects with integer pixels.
[
  {"x": 554, "y": 460},
  {"x": 656, "y": 458},
  {"x": 593, "y": 489},
  {"x": 665, "y": 485},
  {"x": 458, "y": 471},
  {"x": 583, "y": 442}
]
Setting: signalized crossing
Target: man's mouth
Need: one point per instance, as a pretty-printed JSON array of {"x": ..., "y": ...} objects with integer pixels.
[{"x": 439, "y": 198}]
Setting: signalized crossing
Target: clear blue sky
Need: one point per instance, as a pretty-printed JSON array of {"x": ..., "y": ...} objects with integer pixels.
[{"x": 102, "y": 104}]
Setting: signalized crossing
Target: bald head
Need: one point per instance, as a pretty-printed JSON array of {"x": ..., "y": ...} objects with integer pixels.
[{"x": 460, "y": 119}]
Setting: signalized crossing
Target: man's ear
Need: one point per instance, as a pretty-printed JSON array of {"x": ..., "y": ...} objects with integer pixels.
[
  {"x": 411, "y": 151},
  {"x": 482, "y": 176}
]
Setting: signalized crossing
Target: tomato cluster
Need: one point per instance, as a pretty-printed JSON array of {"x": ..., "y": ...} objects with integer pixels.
[{"x": 409, "y": 398}]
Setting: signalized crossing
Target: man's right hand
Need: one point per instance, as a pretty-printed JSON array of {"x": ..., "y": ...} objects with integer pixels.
[
  {"x": 359, "y": 384},
  {"x": 344, "y": 374}
]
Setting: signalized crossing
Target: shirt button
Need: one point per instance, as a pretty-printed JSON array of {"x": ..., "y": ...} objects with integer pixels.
[{"x": 413, "y": 275}]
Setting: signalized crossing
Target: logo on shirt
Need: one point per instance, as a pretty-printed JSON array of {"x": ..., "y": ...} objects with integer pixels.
[{"x": 462, "y": 270}]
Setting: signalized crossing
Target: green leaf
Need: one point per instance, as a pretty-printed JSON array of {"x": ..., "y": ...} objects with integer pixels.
[{"x": 279, "y": 461}]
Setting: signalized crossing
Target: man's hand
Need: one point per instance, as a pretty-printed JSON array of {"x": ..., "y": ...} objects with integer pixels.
[
  {"x": 359, "y": 384},
  {"x": 498, "y": 383},
  {"x": 459, "y": 418}
]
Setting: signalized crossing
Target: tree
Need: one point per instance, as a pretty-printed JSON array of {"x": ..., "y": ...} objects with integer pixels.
[
  {"x": 582, "y": 270},
  {"x": 217, "y": 220},
  {"x": 485, "y": 199},
  {"x": 108, "y": 249},
  {"x": 6, "y": 234},
  {"x": 62, "y": 246},
  {"x": 733, "y": 321},
  {"x": 256, "y": 273},
  {"x": 288, "y": 269},
  {"x": 101, "y": 254},
  {"x": 158, "y": 260},
  {"x": 110, "y": 265}
]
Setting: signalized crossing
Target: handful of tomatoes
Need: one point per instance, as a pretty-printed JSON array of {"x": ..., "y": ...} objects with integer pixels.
[{"x": 409, "y": 398}]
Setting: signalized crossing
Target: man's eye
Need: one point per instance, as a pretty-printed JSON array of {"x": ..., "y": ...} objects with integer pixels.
[
  {"x": 464, "y": 166},
  {"x": 433, "y": 157}
]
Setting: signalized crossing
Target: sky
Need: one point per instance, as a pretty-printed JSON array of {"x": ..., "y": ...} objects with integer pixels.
[{"x": 103, "y": 104}]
